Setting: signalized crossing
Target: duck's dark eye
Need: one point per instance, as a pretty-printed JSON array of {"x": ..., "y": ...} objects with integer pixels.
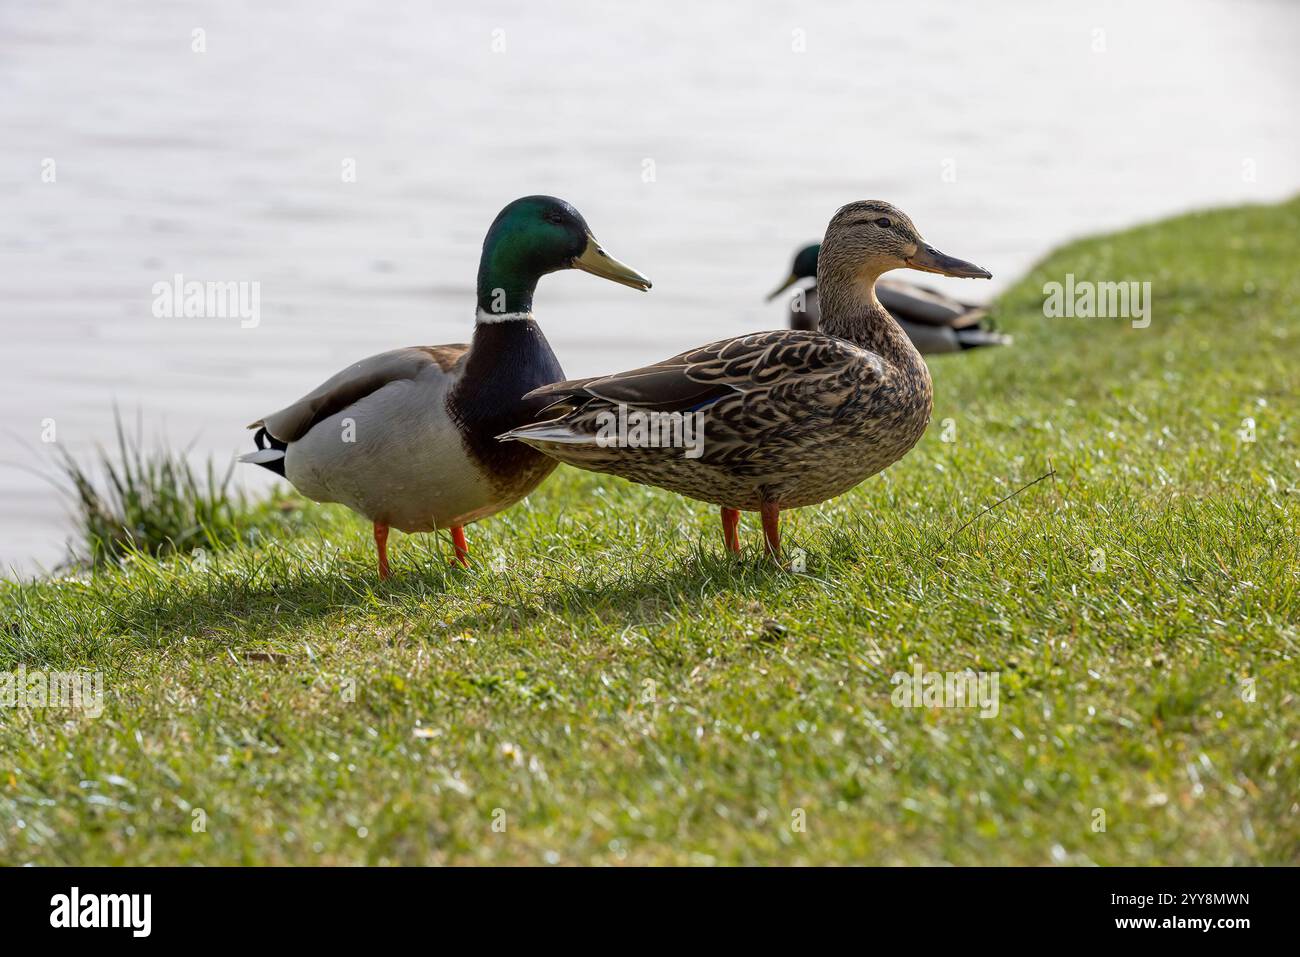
[
  {"x": 883, "y": 222},
  {"x": 551, "y": 216}
]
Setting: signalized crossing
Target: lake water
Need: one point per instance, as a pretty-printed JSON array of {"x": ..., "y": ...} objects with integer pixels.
[{"x": 702, "y": 145}]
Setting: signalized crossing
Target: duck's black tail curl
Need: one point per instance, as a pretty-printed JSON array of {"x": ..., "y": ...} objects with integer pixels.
[{"x": 269, "y": 454}]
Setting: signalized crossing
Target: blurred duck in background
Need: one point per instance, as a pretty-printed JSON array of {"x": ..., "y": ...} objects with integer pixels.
[{"x": 935, "y": 323}]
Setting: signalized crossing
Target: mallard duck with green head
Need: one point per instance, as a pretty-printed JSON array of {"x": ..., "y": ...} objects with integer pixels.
[
  {"x": 934, "y": 322},
  {"x": 788, "y": 418},
  {"x": 407, "y": 437}
]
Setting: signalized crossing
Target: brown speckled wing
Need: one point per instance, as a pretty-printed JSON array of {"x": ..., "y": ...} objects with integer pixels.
[{"x": 764, "y": 396}]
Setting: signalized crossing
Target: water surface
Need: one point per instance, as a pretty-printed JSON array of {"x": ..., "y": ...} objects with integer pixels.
[{"x": 703, "y": 145}]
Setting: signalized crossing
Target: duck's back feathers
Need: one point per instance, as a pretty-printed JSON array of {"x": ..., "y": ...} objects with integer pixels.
[
  {"x": 355, "y": 383},
  {"x": 666, "y": 386},
  {"x": 924, "y": 306}
]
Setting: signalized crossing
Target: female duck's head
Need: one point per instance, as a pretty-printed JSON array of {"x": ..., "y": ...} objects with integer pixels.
[
  {"x": 534, "y": 236},
  {"x": 868, "y": 238}
]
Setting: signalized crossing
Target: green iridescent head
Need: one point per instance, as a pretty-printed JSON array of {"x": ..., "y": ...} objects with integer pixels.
[{"x": 534, "y": 236}]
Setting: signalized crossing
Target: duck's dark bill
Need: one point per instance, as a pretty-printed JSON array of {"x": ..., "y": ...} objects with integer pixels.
[
  {"x": 595, "y": 261},
  {"x": 929, "y": 259},
  {"x": 783, "y": 287}
]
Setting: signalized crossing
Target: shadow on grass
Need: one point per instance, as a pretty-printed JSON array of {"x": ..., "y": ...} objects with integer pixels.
[
  {"x": 279, "y": 594},
  {"x": 269, "y": 602},
  {"x": 636, "y": 597},
  {"x": 648, "y": 592}
]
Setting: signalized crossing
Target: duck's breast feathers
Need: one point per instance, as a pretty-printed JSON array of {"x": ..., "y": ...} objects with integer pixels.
[{"x": 358, "y": 381}]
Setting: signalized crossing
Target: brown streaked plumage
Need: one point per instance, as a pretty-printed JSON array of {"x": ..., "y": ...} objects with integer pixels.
[{"x": 790, "y": 418}]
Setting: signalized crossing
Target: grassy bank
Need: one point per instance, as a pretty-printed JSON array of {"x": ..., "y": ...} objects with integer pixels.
[{"x": 606, "y": 686}]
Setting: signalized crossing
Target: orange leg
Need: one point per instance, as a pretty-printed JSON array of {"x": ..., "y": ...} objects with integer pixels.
[
  {"x": 458, "y": 543},
  {"x": 381, "y": 546},
  {"x": 771, "y": 513},
  {"x": 731, "y": 519}
]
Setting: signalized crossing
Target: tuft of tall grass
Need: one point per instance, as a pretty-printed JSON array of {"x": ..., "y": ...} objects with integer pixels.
[{"x": 152, "y": 501}]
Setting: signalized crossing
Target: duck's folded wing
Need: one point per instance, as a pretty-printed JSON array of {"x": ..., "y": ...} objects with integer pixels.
[
  {"x": 355, "y": 383},
  {"x": 919, "y": 304},
  {"x": 764, "y": 370},
  {"x": 664, "y": 387}
]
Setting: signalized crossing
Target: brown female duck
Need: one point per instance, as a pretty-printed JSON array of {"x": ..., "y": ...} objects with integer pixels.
[{"x": 789, "y": 418}]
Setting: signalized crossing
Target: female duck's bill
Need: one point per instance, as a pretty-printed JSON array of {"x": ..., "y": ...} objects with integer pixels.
[{"x": 928, "y": 259}]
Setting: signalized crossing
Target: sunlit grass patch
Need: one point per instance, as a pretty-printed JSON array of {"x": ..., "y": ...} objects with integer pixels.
[{"x": 607, "y": 685}]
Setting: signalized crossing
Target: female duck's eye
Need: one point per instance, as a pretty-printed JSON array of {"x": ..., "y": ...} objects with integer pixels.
[{"x": 883, "y": 223}]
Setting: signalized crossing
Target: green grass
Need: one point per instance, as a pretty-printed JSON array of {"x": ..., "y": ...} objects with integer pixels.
[
  {"x": 614, "y": 689},
  {"x": 151, "y": 501}
]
